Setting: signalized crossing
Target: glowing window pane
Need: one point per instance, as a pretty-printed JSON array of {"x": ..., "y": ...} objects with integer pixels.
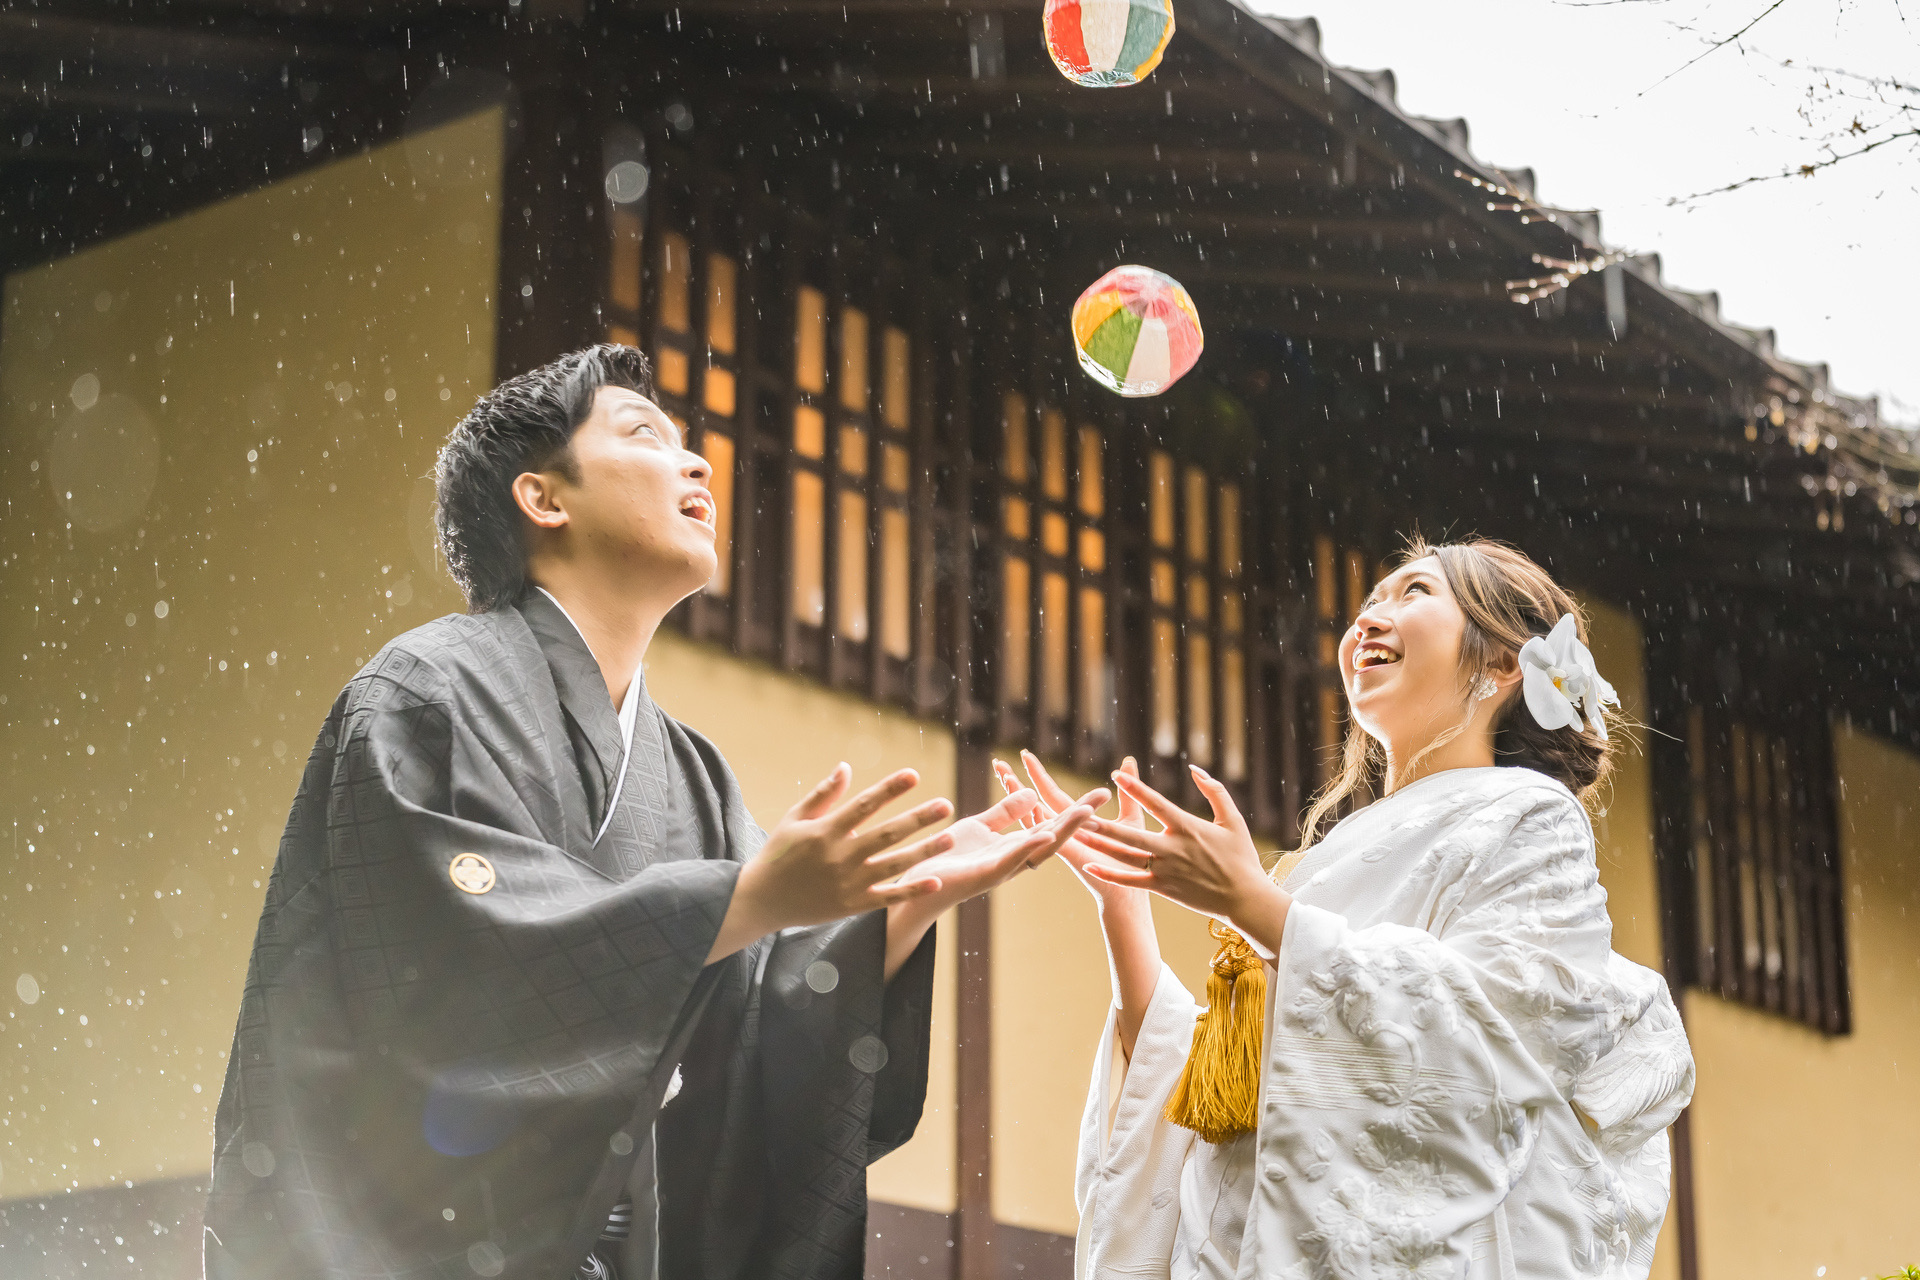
[
  {"x": 809, "y": 432},
  {"x": 1017, "y": 519},
  {"x": 896, "y": 604},
  {"x": 1329, "y": 649},
  {"x": 1230, "y": 530},
  {"x": 1054, "y": 654},
  {"x": 670, "y": 372},
  {"x": 1053, "y": 533},
  {"x": 723, "y": 280},
  {"x": 1163, "y": 582},
  {"x": 1233, "y": 715},
  {"x": 809, "y": 529},
  {"x": 810, "y": 341},
  {"x": 1196, "y": 513},
  {"x": 676, "y": 282},
  {"x": 1231, "y": 610},
  {"x": 1053, "y": 454},
  {"x": 1096, "y": 672},
  {"x": 719, "y": 392},
  {"x": 1013, "y": 424},
  {"x": 1015, "y": 610},
  {"x": 1326, "y": 592},
  {"x": 1166, "y": 694},
  {"x": 1093, "y": 550},
  {"x": 853, "y": 358},
  {"x": 1092, "y": 496},
  {"x": 623, "y": 285},
  {"x": 853, "y": 451},
  {"x": 1199, "y": 701},
  {"x": 896, "y": 468},
  {"x": 718, "y": 451},
  {"x": 1197, "y": 598},
  {"x": 850, "y": 562},
  {"x": 896, "y": 381},
  {"x": 1160, "y": 499},
  {"x": 1357, "y": 585},
  {"x": 623, "y": 334}
]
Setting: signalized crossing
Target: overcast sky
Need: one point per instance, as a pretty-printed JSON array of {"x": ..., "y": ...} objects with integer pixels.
[{"x": 1575, "y": 89}]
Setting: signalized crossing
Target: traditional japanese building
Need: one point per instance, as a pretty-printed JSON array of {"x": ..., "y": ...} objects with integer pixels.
[{"x": 260, "y": 255}]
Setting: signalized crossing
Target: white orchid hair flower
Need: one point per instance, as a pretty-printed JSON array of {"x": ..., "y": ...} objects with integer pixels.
[{"x": 1560, "y": 682}]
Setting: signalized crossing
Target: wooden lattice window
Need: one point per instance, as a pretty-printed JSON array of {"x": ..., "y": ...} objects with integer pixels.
[
  {"x": 1054, "y": 666},
  {"x": 1770, "y": 916}
]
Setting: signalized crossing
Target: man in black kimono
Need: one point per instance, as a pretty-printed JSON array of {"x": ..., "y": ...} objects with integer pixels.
[{"x": 531, "y": 995}]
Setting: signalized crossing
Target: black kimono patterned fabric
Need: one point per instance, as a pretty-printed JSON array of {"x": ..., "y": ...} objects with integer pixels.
[{"x": 428, "y": 1081}]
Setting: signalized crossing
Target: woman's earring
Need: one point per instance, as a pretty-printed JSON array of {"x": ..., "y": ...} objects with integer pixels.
[{"x": 1484, "y": 688}]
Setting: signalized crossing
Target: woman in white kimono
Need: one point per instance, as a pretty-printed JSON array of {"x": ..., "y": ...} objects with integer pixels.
[{"x": 1422, "y": 1057}]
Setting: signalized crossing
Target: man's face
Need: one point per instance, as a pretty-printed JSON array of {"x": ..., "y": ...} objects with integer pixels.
[{"x": 640, "y": 504}]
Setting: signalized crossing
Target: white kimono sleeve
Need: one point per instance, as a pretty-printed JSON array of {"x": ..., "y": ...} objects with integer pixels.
[
  {"x": 1127, "y": 1185},
  {"x": 1408, "y": 1068}
]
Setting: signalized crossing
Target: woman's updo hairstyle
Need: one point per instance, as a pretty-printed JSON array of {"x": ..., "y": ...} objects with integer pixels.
[{"x": 1507, "y": 600}]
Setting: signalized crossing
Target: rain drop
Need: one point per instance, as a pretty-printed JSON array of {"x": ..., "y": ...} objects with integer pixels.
[
  {"x": 85, "y": 392},
  {"x": 160, "y": 608},
  {"x": 822, "y": 976},
  {"x": 27, "y": 988}
]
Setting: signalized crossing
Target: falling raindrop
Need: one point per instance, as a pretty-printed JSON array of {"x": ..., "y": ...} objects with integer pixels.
[{"x": 27, "y": 988}]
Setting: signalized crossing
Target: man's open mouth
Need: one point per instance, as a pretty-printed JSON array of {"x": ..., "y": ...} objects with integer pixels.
[{"x": 699, "y": 506}]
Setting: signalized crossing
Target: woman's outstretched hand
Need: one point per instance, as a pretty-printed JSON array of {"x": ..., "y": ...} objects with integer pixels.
[
  {"x": 1206, "y": 866},
  {"x": 1053, "y": 800}
]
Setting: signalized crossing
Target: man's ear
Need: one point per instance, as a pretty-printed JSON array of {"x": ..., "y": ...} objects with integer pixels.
[{"x": 538, "y": 498}]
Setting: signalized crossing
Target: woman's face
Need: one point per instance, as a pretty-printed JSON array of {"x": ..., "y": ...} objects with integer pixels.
[{"x": 1400, "y": 661}]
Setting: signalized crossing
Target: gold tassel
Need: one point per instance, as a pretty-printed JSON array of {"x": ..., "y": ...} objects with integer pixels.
[{"x": 1218, "y": 1095}]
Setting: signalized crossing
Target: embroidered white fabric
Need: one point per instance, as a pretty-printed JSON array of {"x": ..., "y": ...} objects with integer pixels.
[{"x": 1461, "y": 1078}]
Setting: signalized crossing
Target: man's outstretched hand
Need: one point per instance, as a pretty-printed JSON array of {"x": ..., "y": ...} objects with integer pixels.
[{"x": 818, "y": 864}]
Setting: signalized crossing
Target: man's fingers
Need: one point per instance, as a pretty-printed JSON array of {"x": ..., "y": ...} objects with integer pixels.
[
  {"x": 824, "y": 793},
  {"x": 886, "y": 866},
  {"x": 871, "y": 801},
  {"x": 1225, "y": 811},
  {"x": 900, "y": 826}
]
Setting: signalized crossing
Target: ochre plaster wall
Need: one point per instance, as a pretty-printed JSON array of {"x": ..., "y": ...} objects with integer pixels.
[
  {"x": 1623, "y": 829},
  {"x": 1803, "y": 1143},
  {"x": 782, "y": 735},
  {"x": 214, "y": 434},
  {"x": 1051, "y": 992}
]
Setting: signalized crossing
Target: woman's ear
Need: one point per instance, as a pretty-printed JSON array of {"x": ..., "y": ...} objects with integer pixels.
[
  {"x": 1505, "y": 671},
  {"x": 534, "y": 493}
]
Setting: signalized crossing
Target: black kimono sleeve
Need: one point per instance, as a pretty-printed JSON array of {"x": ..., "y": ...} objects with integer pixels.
[{"x": 433, "y": 1065}]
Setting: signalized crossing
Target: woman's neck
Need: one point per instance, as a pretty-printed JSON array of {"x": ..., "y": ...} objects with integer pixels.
[{"x": 1464, "y": 751}]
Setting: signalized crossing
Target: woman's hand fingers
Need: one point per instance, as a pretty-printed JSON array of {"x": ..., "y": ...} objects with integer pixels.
[
  {"x": 848, "y": 817},
  {"x": 1010, "y": 782},
  {"x": 897, "y": 828},
  {"x": 1225, "y": 811},
  {"x": 1122, "y": 876},
  {"x": 1018, "y": 806},
  {"x": 1050, "y": 791},
  {"x": 1124, "y": 853},
  {"x": 1137, "y": 838},
  {"x": 1062, "y": 829},
  {"x": 1130, "y": 811},
  {"x": 1169, "y": 813},
  {"x": 886, "y": 895}
]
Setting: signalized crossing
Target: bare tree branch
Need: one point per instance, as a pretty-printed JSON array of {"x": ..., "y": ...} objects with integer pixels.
[
  {"x": 1716, "y": 45},
  {"x": 1803, "y": 171}
]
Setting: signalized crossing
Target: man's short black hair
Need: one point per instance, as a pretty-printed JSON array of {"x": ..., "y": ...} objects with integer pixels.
[{"x": 524, "y": 424}]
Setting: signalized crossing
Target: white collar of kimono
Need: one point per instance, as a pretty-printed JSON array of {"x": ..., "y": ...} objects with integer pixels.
[{"x": 628, "y": 709}]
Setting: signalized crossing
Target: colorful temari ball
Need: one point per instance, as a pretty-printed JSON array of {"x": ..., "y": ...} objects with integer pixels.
[
  {"x": 1136, "y": 331},
  {"x": 1102, "y": 43}
]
